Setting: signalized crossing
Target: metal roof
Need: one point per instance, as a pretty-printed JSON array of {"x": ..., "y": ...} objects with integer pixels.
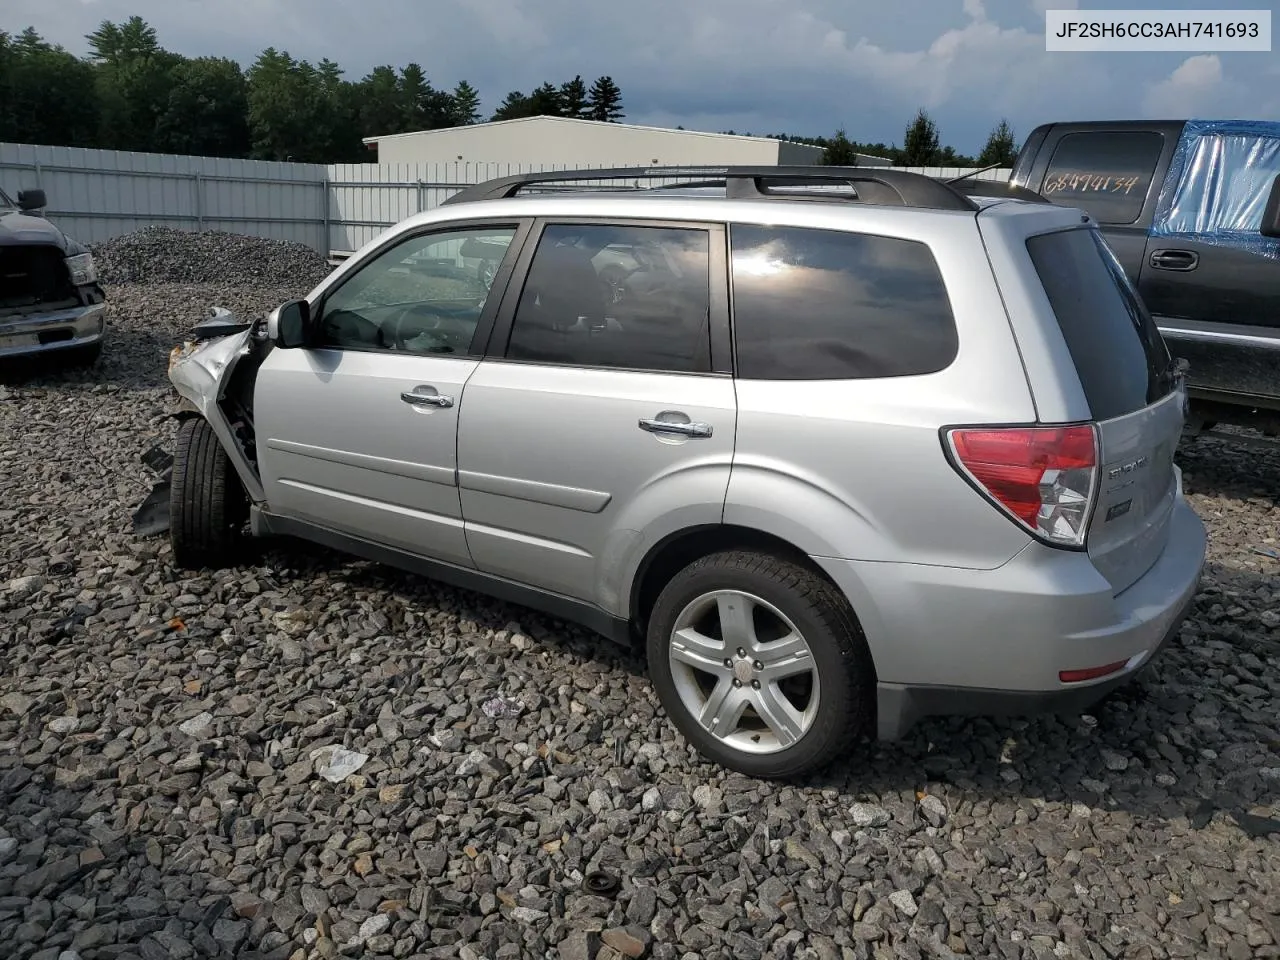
[{"x": 590, "y": 123}]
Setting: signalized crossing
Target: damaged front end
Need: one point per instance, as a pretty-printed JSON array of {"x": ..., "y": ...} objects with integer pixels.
[{"x": 213, "y": 373}]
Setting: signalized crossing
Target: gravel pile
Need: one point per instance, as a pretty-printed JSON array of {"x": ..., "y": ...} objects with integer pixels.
[
  {"x": 313, "y": 757},
  {"x": 166, "y": 255}
]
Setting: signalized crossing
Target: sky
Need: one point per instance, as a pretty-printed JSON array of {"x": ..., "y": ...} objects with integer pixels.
[{"x": 764, "y": 66}]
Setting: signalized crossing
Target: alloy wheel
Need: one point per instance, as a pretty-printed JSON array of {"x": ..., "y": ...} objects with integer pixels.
[{"x": 744, "y": 672}]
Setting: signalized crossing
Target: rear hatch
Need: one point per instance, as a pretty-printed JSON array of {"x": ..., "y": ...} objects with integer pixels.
[{"x": 1134, "y": 395}]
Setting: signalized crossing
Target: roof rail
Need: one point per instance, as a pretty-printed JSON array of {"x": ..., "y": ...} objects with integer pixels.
[{"x": 871, "y": 184}]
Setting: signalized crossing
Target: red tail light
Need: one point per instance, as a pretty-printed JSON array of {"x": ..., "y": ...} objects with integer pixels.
[{"x": 1045, "y": 478}]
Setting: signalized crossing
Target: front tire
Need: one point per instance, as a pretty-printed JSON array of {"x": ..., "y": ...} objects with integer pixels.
[
  {"x": 207, "y": 503},
  {"x": 761, "y": 664}
]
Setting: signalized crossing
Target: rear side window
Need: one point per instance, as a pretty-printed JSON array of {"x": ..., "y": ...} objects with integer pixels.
[
  {"x": 812, "y": 304},
  {"x": 1105, "y": 174},
  {"x": 637, "y": 298},
  {"x": 1118, "y": 352}
]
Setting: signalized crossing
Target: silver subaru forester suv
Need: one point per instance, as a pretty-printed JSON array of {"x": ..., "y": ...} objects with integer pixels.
[{"x": 843, "y": 447}]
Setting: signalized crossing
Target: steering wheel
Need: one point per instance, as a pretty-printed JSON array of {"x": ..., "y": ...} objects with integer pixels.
[
  {"x": 445, "y": 331},
  {"x": 347, "y": 326},
  {"x": 397, "y": 326}
]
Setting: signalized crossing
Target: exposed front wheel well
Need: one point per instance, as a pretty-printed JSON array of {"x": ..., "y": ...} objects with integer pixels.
[{"x": 672, "y": 555}]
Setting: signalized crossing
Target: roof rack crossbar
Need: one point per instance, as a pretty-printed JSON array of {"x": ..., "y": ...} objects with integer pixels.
[{"x": 870, "y": 185}]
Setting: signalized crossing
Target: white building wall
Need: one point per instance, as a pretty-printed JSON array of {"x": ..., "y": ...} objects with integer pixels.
[
  {"x": 560, "y": 142},
  {"x": 797, "y": 153}
]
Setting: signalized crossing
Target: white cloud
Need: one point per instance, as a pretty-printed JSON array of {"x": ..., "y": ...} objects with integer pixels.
[
  {"x": 1040, "y": 6},
  {"x": 508, "y": 21},
  {"x": 1196, "y": 87}
]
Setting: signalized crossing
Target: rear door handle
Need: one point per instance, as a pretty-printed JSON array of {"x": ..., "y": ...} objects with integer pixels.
[
  {"x": 694, "y": 429},
  {"x": 1182, "y": 260},
  {"x": 425, "y": 396}
]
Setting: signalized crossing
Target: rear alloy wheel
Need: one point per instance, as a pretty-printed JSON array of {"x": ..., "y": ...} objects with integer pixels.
[
  {"x": 208, "y": 507},
  {"x": 761, "y": 664}
]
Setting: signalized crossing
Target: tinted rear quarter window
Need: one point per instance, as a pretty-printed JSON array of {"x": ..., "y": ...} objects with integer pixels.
[
  {"x": 1105, "y": 174},
  {"x": 814, "y": 304},
  {"x": 1121, "y": 359}
]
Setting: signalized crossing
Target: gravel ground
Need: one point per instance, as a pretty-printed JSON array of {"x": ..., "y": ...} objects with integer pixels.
[{"x": 315, "y": 757}]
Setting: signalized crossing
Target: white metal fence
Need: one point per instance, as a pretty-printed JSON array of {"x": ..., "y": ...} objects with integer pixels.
[{"x": 98, "y": 194}]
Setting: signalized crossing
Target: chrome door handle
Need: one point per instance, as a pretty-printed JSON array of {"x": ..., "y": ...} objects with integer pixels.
[
  {"x": 672, "y": 426},
  {"x": 426, "y": 399}
]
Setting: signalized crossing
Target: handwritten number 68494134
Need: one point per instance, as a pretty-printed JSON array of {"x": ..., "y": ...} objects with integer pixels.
[{"x": 1090, "y": 183}]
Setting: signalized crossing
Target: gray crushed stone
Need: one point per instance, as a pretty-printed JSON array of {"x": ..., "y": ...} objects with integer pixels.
[{"x": 159, "y": 254}]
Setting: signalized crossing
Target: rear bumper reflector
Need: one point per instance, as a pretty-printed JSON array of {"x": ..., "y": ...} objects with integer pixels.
[{"x": 1092, "y": 673}]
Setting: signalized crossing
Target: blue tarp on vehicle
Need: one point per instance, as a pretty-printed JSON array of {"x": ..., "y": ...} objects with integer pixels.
[{"x": 1219, "y": 182}]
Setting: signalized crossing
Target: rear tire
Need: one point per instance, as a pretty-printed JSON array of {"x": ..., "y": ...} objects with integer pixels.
[
  {"x": 207, "y": 503},
  {"x": 794, "y": 686}
]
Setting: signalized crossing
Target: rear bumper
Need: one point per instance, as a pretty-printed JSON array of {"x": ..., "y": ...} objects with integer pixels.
[
  {"x": 992, "y": 642},
  {"x": 900, "y": 706},
  {"x": 57, "y": 330}
]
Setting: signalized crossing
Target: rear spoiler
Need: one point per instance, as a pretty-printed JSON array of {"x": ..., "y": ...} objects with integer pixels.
[{"x": 999, "y": 189}]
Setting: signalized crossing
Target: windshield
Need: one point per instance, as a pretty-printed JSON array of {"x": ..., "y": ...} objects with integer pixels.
[{"x": 4, "y": 199}]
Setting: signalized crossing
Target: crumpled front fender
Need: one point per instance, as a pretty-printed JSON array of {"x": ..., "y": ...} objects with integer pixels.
[{"x": 199, "y": 371}]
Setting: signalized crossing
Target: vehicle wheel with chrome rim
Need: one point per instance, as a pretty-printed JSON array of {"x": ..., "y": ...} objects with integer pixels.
[{"x": 761, "y": 664}]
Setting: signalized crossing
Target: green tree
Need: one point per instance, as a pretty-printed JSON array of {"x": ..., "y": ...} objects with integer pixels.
[
  {"x": 515, "y": 106},
  {"x": 337, "y": 131},
  {"x": 839, "y": 151},
  {"x": 605, "y": 101},
  {"x": 43, "y": 93},
  {"x": 466, "y": 104},
  {"x": 8, "y": 63},
  {"x": 299, "y": 111},
  {"x": 134, "y": 76},
  {"x": 1000, "y": 147},
  {"x": 950, "y": 157},
  {"x": 573, "y": 98},
  {"x": 426, "y": 108},
  {"x": 920, "y": 143},
  {"x": 117, "y": 43},
  {"x": 415, "y": 96},
  {"x": 544, "y": 101},
  {"x": 207, "y": 110},
  {"x": 287, "y": 109},
  {"x": 382, "y": 103},
  {"x": 130, "y": 93}
]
